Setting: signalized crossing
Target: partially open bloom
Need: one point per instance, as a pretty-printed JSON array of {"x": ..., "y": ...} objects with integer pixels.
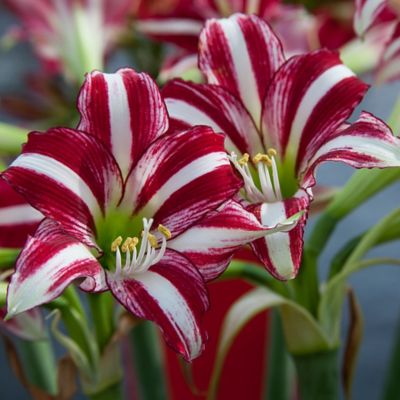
[
  {"x": 142, "y": 200},
  {"x": 282, "y": 118},
  {"x": 382, "y": 15},
  {"x": 72, "y": 36}
]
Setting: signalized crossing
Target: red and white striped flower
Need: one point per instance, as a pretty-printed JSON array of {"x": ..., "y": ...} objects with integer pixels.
[
  {"x": 282, "y": 118},
  {"x": 382, "y": 15},
  {"x": 72, "y": 36},
  {"x": 128, "y": 208}
]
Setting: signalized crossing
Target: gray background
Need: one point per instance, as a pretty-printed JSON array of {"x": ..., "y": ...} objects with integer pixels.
[{"x": 377, "y": 288}]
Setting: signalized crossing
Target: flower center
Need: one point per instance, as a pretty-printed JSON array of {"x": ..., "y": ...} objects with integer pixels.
[
  {"x": 140, "y": 255},
  {"x": 269, "y": 189}
]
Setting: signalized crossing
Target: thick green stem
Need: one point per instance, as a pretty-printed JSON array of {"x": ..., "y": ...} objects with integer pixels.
[
  {"x": 392, "y": 384},
  {"x": 148, "y": 360},
  {"x": 278, "y": 373},
  {"x": 114, "y": 392},
  {"x": 394, "y": 119},
  {"x": 102, "y": 307},
  {"x": 39, "y": 364},
  {"x": 8, "y": 257},
  {"x": 318, "y": 375}
]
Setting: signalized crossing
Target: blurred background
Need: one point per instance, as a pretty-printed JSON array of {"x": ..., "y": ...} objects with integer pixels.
[{"x": 377, "y": 289}]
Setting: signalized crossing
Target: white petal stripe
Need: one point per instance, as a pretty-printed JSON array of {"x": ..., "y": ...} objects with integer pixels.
[
  {"x": 366, "y": 16},
  {"x": 314, "y": 94},
  {"x": 278, "y": 244},
  {"x": 175, "y": 307},
  {"x": 120, "y": 123},
  {"x": 61, "y": 174},
  {"x": 20, "y": 214}
]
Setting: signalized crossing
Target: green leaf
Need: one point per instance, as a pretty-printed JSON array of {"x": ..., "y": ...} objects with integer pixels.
[{"x": 302, "y": 333}]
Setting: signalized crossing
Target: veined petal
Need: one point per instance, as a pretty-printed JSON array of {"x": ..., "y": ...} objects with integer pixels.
[
  {"x": 17, "y": 218},
  {"x": 49, "y": 262},
  {"x": 125, "y": 111},
  {"x": 310, "y": 97},
  {"x": 367, "y": 143},
  {"x": 171, "y": 293},
  {"x": 181, "y": 177},
  {"x": 191, "y": 104},
  {"x": 367, "y": 13},
  {"x": 211, "y": 243},
  {"x": 281, "y": 252},
  {"x": 241, "y": 53},
  {"x": 69, "y": 176},
  {"x": 389, "y": 66}
]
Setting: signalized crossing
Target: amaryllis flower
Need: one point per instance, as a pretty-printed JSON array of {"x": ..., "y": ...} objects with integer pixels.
[
  {"x": 282, "y": 118},
  {"x": 70, "y": 35},
  {"x": 381, "y": 15},
  {"x": 139, "y": 199}
]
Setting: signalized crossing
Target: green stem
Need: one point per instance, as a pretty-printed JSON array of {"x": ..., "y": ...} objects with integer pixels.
[
  {"x": 278, "y": 379},
  {"x": 392, "y": 384},
  {"x": 147, "y": 356},
  {"x": 39, "y": 364},
  {"x": 11, "y": 138},
  {"x": 114, "y": 392},
  {"x": 102, "y": 308},
  {"x": 318, "y": 375},
  {"x": 8, "y": 257}
]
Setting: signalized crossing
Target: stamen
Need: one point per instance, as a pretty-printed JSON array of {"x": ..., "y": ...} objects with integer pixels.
[
  {"x": 262, "y": 157},
  {"x": 116, "y": 243},
  {"x": 164, "y": 231},
  {"x": 245, "y": 159},
  {"x": 149, "y": 253},
  {"x": 272, "y": 152}
]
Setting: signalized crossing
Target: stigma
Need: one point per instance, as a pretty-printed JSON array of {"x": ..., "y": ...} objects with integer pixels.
[
  {"x": 269, "y": 190},
  {"x": 139, "y": 258}
]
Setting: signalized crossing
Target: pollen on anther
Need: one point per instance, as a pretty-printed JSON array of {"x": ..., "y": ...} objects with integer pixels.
[
  {"x": 116, "y": 243},
  {"x": 262, "y": 157},
  {"x": 272, "y": 152},
  {"x": 164, "y": 231},
  {"x": 126, "y": 246},
  {"x": 244, "y": 160},
  {"x": 152, "y": 240},
  {"x": 133, "y": 243}
]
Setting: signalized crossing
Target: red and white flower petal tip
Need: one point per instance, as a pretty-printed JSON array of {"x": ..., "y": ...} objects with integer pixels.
[
  {"x": 69, "y": 176},
  {"x": 281, "y": 252},
  {"x": 17, "y": 218},
  {"x": 369, "y": 12},
  {"x": 125, "y": 111},
  {"x": 49, "y": 262},
  {"x": 389, "y": 66},
  {"x": 171, "y": 293},
  {"x": 212, "y": 243},
  {"x": 240, "y": 53}
]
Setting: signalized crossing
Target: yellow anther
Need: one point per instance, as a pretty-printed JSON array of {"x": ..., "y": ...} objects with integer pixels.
[
  {"x": 244, "y": 160},
  {"x": 152, "y": 240},
  {"x": 262, "y": 157},
  {"x": 133, "y": 243},
  {"x": 125, "y": 247},
  {"x": 272, "y": 152},
  {"x": 164, "y": 231},
  {"x": 116, "y": 243}
]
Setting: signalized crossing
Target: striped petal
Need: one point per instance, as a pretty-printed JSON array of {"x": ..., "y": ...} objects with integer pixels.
[
  {"x": 69, "y": 176},
  {"x": 367, "y": 143},
  {"x": 191, "y": 104},
  {"x": 211, "y": 243},
  {"x": 181, "y": 177},
  {"x": 281, "y": 252},
  {"x": 368, "y": 12},
  {"x": 171, "y": 293},
  {"x": 49, "y": 262},
  {"x": 389, "y": 66},
  {"x": 125, "y": 111},
  {"x": 240, "y": 53},
  {"x": 17, "y": 218},
  {"x": 310, "y": 97}
]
